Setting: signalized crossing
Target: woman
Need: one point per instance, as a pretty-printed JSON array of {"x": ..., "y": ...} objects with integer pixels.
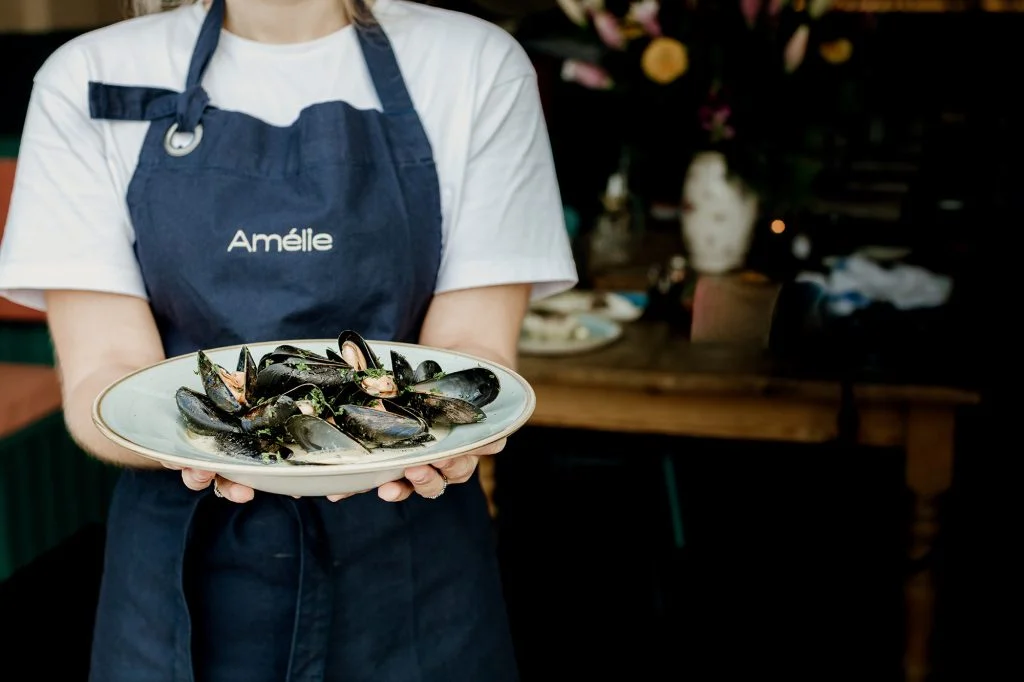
[{"x": 157, "y": 154}]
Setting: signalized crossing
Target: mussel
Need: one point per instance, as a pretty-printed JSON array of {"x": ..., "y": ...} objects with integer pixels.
[
  {"x": 380, "y": 428},
  {"x": 443, "y": 410},
  {"x": 287, "y": 352},
  {"x": 231, "y": 392},
  {"x": 201, "y": 415},
  {"x": 453, "y": 399},
  {"x": 309, "y": 399},
  {"x": 247, "y": 446},
  {"x": 476, "y": 385},
  {"x": 323, "y": 442},
  {"x": 401, "y": 370},
  {"x": 428, "y": 369},
  {"x": 269, "y": 415},
  {"x": 356, "y": 352},
  {"x": 280, "y": 377}
]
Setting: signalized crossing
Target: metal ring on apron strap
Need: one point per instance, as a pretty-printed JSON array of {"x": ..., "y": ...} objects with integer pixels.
[{"x": 182, "y": 149}]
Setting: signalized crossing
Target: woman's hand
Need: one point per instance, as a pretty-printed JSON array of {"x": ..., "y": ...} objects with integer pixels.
[
  {"x": 431, "y": 480},
  {"x": 197, "y": 479}
]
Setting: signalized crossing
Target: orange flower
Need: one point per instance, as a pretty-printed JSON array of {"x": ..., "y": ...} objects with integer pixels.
[
  {"x": 665, "y": 60},
  {"x": 836, "y": 51}
]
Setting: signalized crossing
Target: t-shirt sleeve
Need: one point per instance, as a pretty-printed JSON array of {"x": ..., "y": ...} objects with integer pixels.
[
  {"x": 508, "y": 225},
  {"x": 68, "y": 226}
]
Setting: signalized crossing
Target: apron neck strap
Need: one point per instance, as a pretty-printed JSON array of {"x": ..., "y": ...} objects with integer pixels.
[
  {"x": 193, "y": 101},
  {"x": 383, "y": 67},
  {"x": 206, "y": 44},
  {"x": 374, "y": 43}
]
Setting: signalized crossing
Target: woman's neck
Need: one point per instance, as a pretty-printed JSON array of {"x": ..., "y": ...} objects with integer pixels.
[{"x": 284, "y": 21}]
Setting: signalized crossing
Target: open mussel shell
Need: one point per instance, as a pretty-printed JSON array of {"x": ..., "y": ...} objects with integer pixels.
[
  {"x": 309, "y": 399},
  {"x": 281, "y": 377},
  {"x": 442, "y": 410},
  {"x": 201, "y": 415},
  {"x": 379, "y": 384},
  {"x": 320, "y": 440},
  {"x": 428, "y": 369},
  {"x": 476, "y": 385},
  {"x": 381, "y": 428},
  {"x": 356, "y": 352},
  {"x": 227, "y": 390},
  {"x": 250, "y": 447}
]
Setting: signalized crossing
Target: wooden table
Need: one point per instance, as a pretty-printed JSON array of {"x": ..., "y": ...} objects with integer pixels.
[{"x": 666, "y": 385}]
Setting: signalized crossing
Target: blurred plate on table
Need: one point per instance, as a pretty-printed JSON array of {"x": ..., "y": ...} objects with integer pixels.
[
  {"x": 547, "y": 333},
  {"x": 605, "y": 304},
  {"x": 141, "y": 413}
]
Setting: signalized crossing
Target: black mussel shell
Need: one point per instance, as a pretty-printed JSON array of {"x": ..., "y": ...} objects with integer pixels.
[
  {"x": 271, "y": 414},
  {"x": 247, "y": 368},
  {"x": 380, "y": 428},
  {"x": 333, "y": 355},
  {"x": 476, "y": 385},
  {"x": 246, "y": 446},
  {"x": 428, "y": 369},
  {"x": 284, "y": 352},
  {"x": 224, "y": 388},
  {"x": 281, "y": 377},
  {"x": 401, "y": 369},
  {"x": 201, "y": 415},
  {"x": 393, "y": 406},
  {"x": 442, "y": 410},
  {"x": 316, "y": 435},
  {"x": 356, "y": 352}
]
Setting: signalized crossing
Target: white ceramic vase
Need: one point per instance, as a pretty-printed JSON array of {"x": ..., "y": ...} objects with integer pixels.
[{"x": 718, "y": 215}]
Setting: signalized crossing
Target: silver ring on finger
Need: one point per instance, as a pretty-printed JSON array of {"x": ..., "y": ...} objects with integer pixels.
[
  {"x": 444, "y": 486},
  {"x": 216, "y": 489}
]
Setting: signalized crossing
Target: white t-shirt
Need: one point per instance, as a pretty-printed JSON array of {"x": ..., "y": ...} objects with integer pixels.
[{"x": 472, "y": 84}]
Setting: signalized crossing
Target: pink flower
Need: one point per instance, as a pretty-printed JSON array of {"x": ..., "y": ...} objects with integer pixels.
[
  {"x": 646, "y": 14},
  {"x": 715, "y": 119},
  {"x": 750, "y": 9},
  {"x": 590, "y": 76},
  {"x": 607, "y": 26}
]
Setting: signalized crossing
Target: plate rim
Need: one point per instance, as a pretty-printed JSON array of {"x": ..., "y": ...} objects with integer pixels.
[{"x": 353, "y": 468}]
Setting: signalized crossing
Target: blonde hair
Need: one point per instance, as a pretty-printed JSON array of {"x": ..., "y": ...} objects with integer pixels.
[{"x": 357, "y": 9}]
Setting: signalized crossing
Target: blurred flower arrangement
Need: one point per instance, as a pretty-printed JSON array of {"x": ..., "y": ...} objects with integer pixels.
[{"x": 763, "y": 82}]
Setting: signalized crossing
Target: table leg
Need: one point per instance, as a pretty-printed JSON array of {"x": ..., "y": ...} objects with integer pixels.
[{"x": 929, "y": 449}]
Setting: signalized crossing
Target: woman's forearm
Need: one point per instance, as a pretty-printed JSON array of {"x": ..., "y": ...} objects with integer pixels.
[{"x": 78, "y": 402}]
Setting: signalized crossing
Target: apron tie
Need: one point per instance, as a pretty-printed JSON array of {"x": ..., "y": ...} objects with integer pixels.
[{"x": 190, "y": 107}]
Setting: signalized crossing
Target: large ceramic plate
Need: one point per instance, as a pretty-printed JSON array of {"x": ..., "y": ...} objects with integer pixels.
[{"x": 139, "y": 412}]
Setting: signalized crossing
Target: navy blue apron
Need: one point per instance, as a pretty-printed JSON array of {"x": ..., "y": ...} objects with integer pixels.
[{"x": 249, "y": 232}]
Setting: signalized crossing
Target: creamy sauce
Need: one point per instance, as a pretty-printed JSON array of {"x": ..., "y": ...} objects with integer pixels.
[{"x": 208, "y": 444}]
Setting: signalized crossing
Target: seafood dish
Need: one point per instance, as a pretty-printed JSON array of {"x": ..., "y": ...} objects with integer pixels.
[{"x": 295, "y": 406}]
